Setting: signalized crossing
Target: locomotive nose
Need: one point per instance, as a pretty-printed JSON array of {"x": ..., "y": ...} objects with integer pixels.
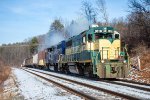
[{"x": 109, "y": 50}]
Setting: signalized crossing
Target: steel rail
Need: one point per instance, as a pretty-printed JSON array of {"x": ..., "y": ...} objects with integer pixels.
[
  {"x": 128, "y": 81},
  {"x": 129, "y": 85}
]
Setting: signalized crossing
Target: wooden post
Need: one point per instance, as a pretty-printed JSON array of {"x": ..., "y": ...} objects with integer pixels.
[{"x": 139, "y": 64}]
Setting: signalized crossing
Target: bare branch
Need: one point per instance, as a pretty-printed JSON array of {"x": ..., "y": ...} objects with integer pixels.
[
  {"x": 101, "y": 6},
  {"x": 89, "y": 12}
]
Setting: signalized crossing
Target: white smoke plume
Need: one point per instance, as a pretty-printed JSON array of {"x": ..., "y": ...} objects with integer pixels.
[
  {"x": 77, "y": 26},
  {"x": 74, "y": 28},
  {"x": 51, "y": 39}
]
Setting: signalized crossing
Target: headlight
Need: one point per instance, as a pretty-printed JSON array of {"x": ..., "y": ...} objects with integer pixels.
[
  {"x": 102, "y": 61},
  {"x": 124, "y": 61}
]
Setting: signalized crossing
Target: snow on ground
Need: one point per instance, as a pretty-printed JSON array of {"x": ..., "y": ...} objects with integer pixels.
[
  {"x": 109, "y": 86},
  {"x": 91, "y": 92},
  {"x": 34, "y": 88}
]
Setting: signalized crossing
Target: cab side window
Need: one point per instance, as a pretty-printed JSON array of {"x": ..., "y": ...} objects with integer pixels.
[
  {"x": 83, "y": 39},
  {"x": 89, "y": 37},
  {"x": 116, "y": 36}
]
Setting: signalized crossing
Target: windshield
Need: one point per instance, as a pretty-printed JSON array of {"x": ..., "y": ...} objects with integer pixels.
[{"x": 103, "y": 36}]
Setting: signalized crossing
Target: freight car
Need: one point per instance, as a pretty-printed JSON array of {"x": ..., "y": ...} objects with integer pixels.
[
  {"x": 35, "y": 60},
  {"x": 41, "y": 59},
  {"x": 94, "y": 52},
  {"x": 28, "y": 62}
]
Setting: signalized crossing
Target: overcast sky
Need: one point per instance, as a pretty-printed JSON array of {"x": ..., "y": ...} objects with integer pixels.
[{"x": 21, "y": 19}]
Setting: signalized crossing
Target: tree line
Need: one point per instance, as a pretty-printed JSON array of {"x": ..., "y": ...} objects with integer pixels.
[{"x": 14, "y": 54}]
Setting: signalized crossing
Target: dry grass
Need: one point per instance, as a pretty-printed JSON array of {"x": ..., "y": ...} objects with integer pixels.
[
  {"x": 144, "y": 74},
  {"x": 144, "y": 54},
  {"x": 140, "y": 76},
  {"x": 145, "y": 60},
  {"x": 4, "y": 74}
]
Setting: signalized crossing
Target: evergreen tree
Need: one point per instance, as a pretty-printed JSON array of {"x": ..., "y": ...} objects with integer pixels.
[
  {"x": 34, "y": 45},
  {"x": 56, "y": 26}
]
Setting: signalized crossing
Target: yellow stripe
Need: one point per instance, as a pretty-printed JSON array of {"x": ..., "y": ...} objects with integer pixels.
[{"x": 85, "y": 61}]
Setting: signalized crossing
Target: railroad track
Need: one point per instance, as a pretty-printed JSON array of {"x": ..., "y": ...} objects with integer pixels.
[
  {"x": 86, "y": 96},
  {"x": 73, "y": 91},
  {"x": 122, "y": 82}
]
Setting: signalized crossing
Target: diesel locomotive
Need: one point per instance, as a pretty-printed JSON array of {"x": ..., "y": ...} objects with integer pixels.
[{"x": 97, "y": 52}]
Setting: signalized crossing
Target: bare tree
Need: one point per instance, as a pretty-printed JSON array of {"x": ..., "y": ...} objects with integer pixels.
[
  {"x": 121, "y": 25},
  {"x": 140, "y": 6},
  {"x": 89, "y": 12},
  {"x": 14, "y": 54},
  {"x": 101, "y": 7},
  {"x": 139, "y": 22}
]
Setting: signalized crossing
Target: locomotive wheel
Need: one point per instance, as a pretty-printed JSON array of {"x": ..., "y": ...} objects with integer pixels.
[
  {"x": 55, "y": 67},
  {"x": 47, "y": 66},
  {"x": 89, "y": 70},
  {"x": 80, "y": 69},
  {"x": 40, "y": 66},
  {"x": 62, "y": 68},
  {"x": 67, "y": 69},
  {"x": 90, "y": 73}
]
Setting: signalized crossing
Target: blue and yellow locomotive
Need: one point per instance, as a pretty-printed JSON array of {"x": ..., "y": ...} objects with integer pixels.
[{"x": 95, "y": 52}]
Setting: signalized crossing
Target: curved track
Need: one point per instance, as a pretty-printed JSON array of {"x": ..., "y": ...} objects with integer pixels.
[
  {"x": 82, "y": 95},
  {"x": 93, "y": 87}
]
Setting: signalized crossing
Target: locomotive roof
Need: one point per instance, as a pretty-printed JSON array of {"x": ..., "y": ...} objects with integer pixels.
[
  {"x": 102, "y": 28},
  {"x": 84, "y": 32}
]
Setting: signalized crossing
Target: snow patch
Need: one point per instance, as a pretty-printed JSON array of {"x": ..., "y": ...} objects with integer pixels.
[{"x": 32, "y": 87}]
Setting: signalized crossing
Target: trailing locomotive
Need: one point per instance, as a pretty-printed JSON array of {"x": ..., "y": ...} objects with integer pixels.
[{"x": 94, "y": 52}]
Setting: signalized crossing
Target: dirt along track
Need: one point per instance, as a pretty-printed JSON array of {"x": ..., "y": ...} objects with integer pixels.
[
  {"x": 89, "y": 86},
  {"x": 133, "y": 82}
]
